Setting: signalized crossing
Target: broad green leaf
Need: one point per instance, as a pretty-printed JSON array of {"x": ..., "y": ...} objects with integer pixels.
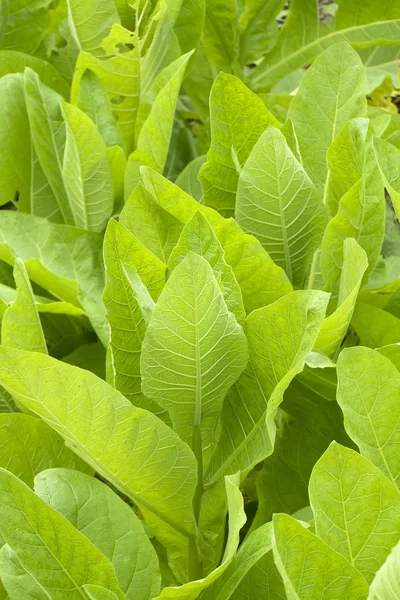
[
  {"x": 157, "y": 229},
  {"x": 369, "y": 385},
  {"x": 243, "y": 576},
  {"x": 48, "y": 138},
  {"x": 25, "y": 24},
  {"x": 93, "y": 100},
  {"x": 388, "y": 157},
  {"x": 155, "y": 133},
  {"x": 386, "y": 584},
  {"x": 128, "y": 306},
  {"x": 86, "y": 171},
  {"x": 119, "y": 72},
  {"x": 17, "y": 580},
  {"x": 99, "y": 593},
  {"x": 12, "y": 61},
  {"x": 28, "y": 446},
  {"x": 258, "y": 28},
  {"x": 260, "y": 280},
  {"x": 310, "y": 568},
  {"x": 109, "y": 523},
  {"x": 374, "y": 326},
  {"x": 20, "y": 326},
  {"x": 221, "y": 34},
  {"x": 304, "y": 37},
  {"x": 197, "y": 236},
  {"x": 7, "y": 404},
  {"x": 193, "y": 351},
  {"x": 356, "y": 508},
  {"x": 280, "y": 337},
  {"x": 15, "y": 158},
  {"x": 330, "y": 94},
  {"x": 188, "y": 179},
  {"x": 392, "y": 352},
  {"x": 237, "y": 518},
  {"x": 238, "y": 118},
  {"x": 130, "y": 447},
  {"x": 333, "y": 330},
  {"x": 61, "y": 569},
  {"x": 277, "y": 203},
  {"x": 90, "y": 22}
]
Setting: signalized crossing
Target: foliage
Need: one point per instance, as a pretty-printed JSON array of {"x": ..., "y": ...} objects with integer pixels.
[{"x": 199, "y": 300}]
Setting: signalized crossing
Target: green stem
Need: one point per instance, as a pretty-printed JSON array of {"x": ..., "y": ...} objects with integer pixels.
[
  {"x": 195, "y": 563},
  {"x": 313, "y": 269}
]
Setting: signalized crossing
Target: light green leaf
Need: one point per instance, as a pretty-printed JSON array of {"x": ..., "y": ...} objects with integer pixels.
[
  {"x": 155, "y": 133},
  {"x": 374, "y": 326},
  {"x": 238, "y": 118},
  {"x": 258, "y": 28},
  {"x": 260, "y": 280},
  {"x": 21, "y": 327},
  {"x": 386, "y": 584},
  {"x": 355, "y": 264},
  {"x": 48, "y": 138},
  {"x": 25, "y": 24},
  {"x": 15, "y": 158},
  {"x": 369, "y": 385},
  {"x": 157, "y": 229},
  {"x": 61, "y": 569},
  {"x": 197, "y": 236},
  {"x": 221, "y": 34},
  {"x": 7, "y": 404},
  {"x": 19, "y": 583},
  {"x": 126, "y": 301},
  {"x": 237, "y": 518},
  {"x": 119, "y": 73},
  {"x": 331, "y": 93},
  {"x": 304, "y": 37},
  {"x": 280, "y": 337},
  {"x": 388, "y": 157},
  {"x": 90, "y": 22},
  {"x": 193, "y": 351},
  {"x": 109, "y": 523},
  {"x": 188, "y": 179},
  {"x": 356, "y": 508},
  {"x": 28, "y": 446},
  {"x": 12, "y": 61},
  {"x": 86, "y": 171},
  {"x": 277, "y": 202},
  {"x": 99, "y": 593},
  {"x": 130, "y": 447},
  {"x": 310, "y": 568},
  {"x": 93, "y": 100}
]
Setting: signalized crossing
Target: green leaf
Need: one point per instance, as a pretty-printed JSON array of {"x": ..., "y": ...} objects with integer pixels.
[
  {"x": 277, "y": 203},
  {"x": 99, "y": 593},
  {"x": 355, "y": 264},
  {"x": 367, "y": 392},
  {"x": 15, "y": 158},
  {"x": 128, "y": 307},
  {"x": 12, "y": 61},
  {"x": 385, "y": 585},
  {"x": 19, "y": 583},
  {"x": 310, "y": 568},
  {"x": 221, "y": 33},
  {"x": 238, "y": 118},
  {"x": 155, "y": 133},
  {"x": 197, "y": 236},
  {"x": 356, "y": 508},
  {"x": 21, "y": 327},
  {"x": 86, "y": 171},
  {"x": 93, "y": 100},
  {"x": 137, "y": 453},
  {"x": 388, "y": 157},
  {"x": 248, "y": 428},
  {"x": 237, "y": 518},
  {"x": 260, "y": 280},
  {"x": 158, "y": 230},
  {"x": 331, "y": 93},
  {"x": 90, "y": 22},
  {"x": 374, "y": 326},
  {"x": 193, "y": 351},
  {"x": 109, "y": 523},
  {"x": 304, "y": 37},
  {"x": 188, "y": 179},
  {"x": 28, "y": 446},
  {"x": 25, "y": 24},
  {"x": 60, "y": 569}
]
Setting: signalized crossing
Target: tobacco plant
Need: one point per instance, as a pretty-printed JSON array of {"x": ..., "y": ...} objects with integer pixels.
[{"x": 199, "y": 300}]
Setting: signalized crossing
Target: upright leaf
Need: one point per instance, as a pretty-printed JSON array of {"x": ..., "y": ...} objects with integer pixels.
[
  {"x": 90, "y": 22},
  {"x": 310, "y": 568},
  {"x": 388, "y": 157},
  {"x": 238, "y": 118},
  {"x": 12, "y": 61},
  {"x": 221, "y": 33},
  {"x": 61, "y": 569},
  {"x": 356, "y": 508},
  {"x": 193, "y": 351},
  {"x": 109, "y": 523},
  {"x": 86, "y": 171},
  {"x": 374, "y": 326},
  {"x": 137, "y": 453},
  {"x": 386, "y": 584},
  {"x": 277, "y": 203},
  {"x": 331, "y": 93}
]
